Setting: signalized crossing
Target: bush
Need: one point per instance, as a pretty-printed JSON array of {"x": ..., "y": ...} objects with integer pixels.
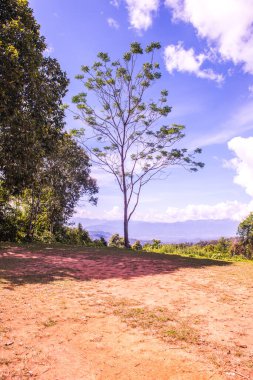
[
  {"x": 116, "y": 241},
  {"x": 11, "y": 224},
  {"x": 237, "y": 248},
  {"x": 245, "y": 232},
  {"x": 156, "y": 244},
  {"x": 100, "y": 242},
  {"x": 137, "y": 246},
  {"x": 73, "y": 235}
]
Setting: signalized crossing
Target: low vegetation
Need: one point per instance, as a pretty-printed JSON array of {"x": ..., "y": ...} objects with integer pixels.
[
  {"x": 222, "y": 249},
  {"x": 229, "y": 249},
  {"x": 233, "y": 249}
]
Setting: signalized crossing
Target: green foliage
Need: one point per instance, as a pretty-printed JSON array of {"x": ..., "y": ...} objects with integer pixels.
[
  {"x": 72, "y": 235},
  {"x": 8, "y": 225},
  {"x": 137, "y": 245},
  {"x": 39, "y": 212},
  {"x": 116, "y": 241},
  {"x": 156, "y": 243},
  {"x": 43, "y": 171},
  {"x": 245, "y": 232},
  {"x": 101, "y": 243},
  {"x": 32, "y": 88},
  {"x": 222, "y": 249}
]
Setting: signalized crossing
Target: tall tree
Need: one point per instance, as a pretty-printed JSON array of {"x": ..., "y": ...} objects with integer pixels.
[
  {"x": 32, "y": 88},
  {"x": 60, "y": 182},
  {"x": 131, "y": 144}
]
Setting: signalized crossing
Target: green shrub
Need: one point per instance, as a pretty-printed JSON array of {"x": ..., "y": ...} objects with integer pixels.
[
  {"x": 73, "y": 235},
  {"x": 245, "y": 232},
  {"x": 116, "y": 241},
  {"x": 222, "y": 249},
  {"x": 99, "y": 242},
  {"x": 137, "y": 246}
]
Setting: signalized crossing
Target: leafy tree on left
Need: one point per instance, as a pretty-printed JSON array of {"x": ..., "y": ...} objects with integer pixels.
[
  {"x": 43, "y": 172},
  {"x": 60, "y": 183},
  {"x": 32, "y": 88}
]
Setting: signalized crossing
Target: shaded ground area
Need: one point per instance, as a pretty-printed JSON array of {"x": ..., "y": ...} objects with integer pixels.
[{"x": 103, "y": 314}]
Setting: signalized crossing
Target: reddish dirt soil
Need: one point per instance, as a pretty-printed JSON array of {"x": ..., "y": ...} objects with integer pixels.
[{"x": 90, "y": 314}]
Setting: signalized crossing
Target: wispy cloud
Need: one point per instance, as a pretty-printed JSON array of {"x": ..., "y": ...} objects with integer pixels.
[
  {"x": 241, "y": 121},
  {"x": 115, "y": 3},
  {"x": 113, "y": 23},
  {"x": 179, "y": 59}
]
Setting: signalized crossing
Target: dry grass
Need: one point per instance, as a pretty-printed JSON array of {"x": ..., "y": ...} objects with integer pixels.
[
  {"x": 158, "y": 321},
  {"x": 49, "y": 322}
]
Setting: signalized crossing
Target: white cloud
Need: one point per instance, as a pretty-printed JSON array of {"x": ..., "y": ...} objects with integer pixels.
[
  {"x": 226, "y": 24},
  {"x": 233, "y": 210},
  {"x": 240, "y": 121},
  {"x": 115, "y": 3},
  {"x": 115, "y": 213},
  {"x": 141, "y": 13},
  {"x": 113, "y": 23},
  {"x": 82, "y": 212},
  {"x": 243, "y": 162},
  {"x": 179, "y": 59},
  {"x": 250, "y": 90},
  {"x": 224, "y": 210}
]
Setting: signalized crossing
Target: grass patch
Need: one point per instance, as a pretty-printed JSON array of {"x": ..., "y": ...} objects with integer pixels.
[
  {"x": 4, "y": 361},
  {"x": 49, "y": 323},
  {"x": 182, "y": 333},
  {"x": 158, "y": 321}
]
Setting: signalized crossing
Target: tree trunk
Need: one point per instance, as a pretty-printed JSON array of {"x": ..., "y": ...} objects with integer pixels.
[
  {"x": 30, "y": 222},
  {"x": 126, "y": 240},
  {"x": 33, "y": 216}
]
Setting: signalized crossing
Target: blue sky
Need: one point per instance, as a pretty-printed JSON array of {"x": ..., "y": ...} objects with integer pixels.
[{"x": 207, "y": 66}]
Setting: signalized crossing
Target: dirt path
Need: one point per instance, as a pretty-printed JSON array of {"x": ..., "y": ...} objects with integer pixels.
[{"x": 91, "y": 314}]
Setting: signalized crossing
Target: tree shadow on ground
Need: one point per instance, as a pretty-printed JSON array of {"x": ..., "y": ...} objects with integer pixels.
[{"x": 20, "y": 266}]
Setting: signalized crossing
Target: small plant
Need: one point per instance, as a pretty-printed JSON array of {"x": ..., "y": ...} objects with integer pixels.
[
  {"x": 137, "y": 246},
  {"x": 156, "y": 243},
  {"x": 116, "y": 241},
  {"x": 103, "y": 242},
  {"x": 49, "y": 323},
  {"x": 182, "y": 333}
]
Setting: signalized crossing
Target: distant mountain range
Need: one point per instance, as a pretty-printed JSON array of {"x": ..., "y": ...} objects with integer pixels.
[{"x": 189, "y": 231}]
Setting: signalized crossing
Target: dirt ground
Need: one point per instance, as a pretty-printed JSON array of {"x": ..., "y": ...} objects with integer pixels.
[{"x": 69, "y": 314}]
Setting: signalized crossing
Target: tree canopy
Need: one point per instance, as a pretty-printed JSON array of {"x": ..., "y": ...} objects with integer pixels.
[
  {"x": 43, "y": 171},
  {"x": 245, "y": 232},
  {"x": 32, "y": 88}
]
